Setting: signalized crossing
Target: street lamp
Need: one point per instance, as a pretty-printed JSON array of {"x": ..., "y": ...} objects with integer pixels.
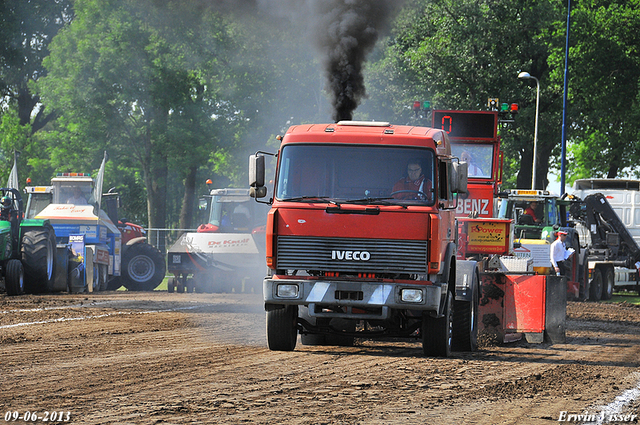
[{"x": 526, "y": 76}]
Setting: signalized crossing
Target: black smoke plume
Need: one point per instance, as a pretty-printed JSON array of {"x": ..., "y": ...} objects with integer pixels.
[{"x": 346, "y": 32}]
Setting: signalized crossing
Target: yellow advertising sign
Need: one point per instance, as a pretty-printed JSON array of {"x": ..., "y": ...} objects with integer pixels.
[{"x": 488, "y": 237}]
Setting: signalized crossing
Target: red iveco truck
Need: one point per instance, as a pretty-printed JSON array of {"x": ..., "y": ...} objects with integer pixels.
[{"x": 356, "y": 248}]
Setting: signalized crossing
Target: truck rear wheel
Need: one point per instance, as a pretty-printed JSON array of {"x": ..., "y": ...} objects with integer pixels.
[
  {"x": 143, "y": 267},
  {"x": 281, "y": 328},
  {"x": 14, "y": 278},
  {"x": 39, "y": 259},
  {"x": 437, "y": 333},
  {"x": 609, "y": 282},
  {"x": 465, "y": 321},
  {"x": 595, "y": 289}
]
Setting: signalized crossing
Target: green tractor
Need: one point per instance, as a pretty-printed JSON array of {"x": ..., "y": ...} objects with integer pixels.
[{"x": 27, "y": 248}]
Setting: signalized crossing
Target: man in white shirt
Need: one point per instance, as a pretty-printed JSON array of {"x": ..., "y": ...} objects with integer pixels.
[{"x": 559, "y": 254}]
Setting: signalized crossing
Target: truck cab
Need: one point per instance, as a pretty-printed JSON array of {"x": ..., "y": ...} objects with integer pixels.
[{"x": 358, "y": 246}]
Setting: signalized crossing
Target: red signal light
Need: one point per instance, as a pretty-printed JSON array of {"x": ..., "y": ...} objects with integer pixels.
[
  {"x": 514, "y": 108},
  {"x": 416, "y": 105}
]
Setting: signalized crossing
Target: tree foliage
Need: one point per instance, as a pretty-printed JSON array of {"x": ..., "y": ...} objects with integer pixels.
[
  {"x": 178, "y": 92},
  {"x": 604, "y": 89}
]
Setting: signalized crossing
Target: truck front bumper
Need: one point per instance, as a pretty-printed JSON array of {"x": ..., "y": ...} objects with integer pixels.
[{"x": 349, "y": 299}]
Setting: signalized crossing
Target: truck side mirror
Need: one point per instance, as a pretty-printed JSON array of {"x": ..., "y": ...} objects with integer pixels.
[
  {"x": 256, "y": 176},
  {"x": 256, "y": 170},
  {"x": 459, "y": 177}
]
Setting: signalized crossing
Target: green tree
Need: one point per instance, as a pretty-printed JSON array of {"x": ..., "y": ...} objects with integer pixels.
[
  {"x": 145, "y": 80},
  {"x": 604, "y": 89},
  {"x": 25, "y": 33}
]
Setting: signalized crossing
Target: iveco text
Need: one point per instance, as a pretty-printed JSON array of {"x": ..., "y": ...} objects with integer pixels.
[{"x": 350, "y": 255}]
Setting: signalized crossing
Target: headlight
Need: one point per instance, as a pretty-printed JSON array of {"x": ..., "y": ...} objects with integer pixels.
[
  {"x": 287, "y": 291},
  {"x": 411, "y": 295}
]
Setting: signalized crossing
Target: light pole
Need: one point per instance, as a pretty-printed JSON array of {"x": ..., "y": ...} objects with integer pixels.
[{"x": 526, "y": 76}]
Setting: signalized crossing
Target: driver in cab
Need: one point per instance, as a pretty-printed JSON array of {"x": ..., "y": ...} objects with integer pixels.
[{"x": 414, "y": 186}]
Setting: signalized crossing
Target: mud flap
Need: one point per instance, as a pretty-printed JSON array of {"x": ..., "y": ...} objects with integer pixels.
[{"x": 556, "y": 309}]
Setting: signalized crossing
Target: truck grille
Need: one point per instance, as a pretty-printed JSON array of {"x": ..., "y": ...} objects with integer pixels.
[{"x": 337, "y": 254}]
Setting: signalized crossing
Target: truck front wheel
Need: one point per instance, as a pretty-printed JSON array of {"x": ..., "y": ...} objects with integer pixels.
[
  {"x": 39, "y": 259},
  {"x": 281, "y": 328},
  {"x": 609, "y": 282},
  {"x": 595, "y": 289},
  {"x": 437, "y": 333},
  {"x": 143, "y": 267}
]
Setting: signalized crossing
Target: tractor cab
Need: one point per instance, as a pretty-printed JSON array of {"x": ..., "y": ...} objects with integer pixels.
[
  {"x": 231, "y": 211},
  {"x": 75, "y": 188},
  {"x": 536, "y": 213}
]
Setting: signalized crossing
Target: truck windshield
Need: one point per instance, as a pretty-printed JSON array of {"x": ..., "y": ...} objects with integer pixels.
[
  {"x": 479, "y": 156},
  {"x": 349, "y": 173}
]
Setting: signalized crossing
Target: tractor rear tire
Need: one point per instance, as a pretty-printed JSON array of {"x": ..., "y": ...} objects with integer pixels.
[
  {"x": 39, "y": 259},
  {"x": 143, "y": 267},
  {"x": 14, "y": 278}
]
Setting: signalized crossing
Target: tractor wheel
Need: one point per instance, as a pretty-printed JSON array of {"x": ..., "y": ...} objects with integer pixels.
[
  {"x": 39, "y": 259},
  {"x": 595, "y": 290},
  {"x": 436, "y": 333},
  {"x": 609, "y": 281},
  {"x": 143, "y": 267},
  {"x": 281, "y": 328},
  {"x": 465, "y": 321},
  {"x": 171, "y": 285},
  {"x": 14, "y": 278}
]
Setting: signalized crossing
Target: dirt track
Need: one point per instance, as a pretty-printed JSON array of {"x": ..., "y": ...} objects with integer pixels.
[{"x": 149, "y": 358}]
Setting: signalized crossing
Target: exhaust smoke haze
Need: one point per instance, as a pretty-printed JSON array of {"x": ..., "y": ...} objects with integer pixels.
[{"x": 346, "y": 31}]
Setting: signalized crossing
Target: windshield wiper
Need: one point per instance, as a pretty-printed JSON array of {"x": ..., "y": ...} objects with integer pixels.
[
  {"x": 378, "y": 201},
  {"x": 315, "y": 198}
]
